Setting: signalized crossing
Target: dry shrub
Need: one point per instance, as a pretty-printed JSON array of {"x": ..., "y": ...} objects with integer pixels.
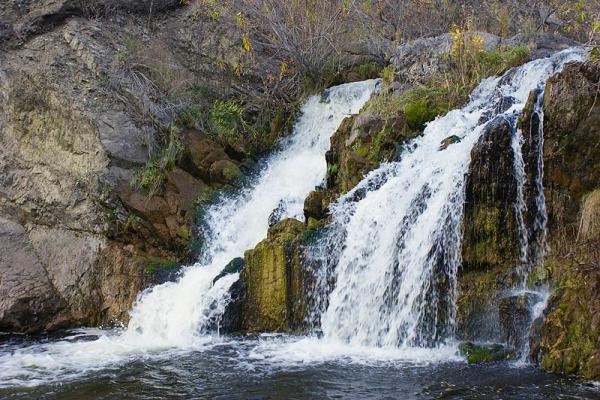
[{"x": 148, "y": 77}]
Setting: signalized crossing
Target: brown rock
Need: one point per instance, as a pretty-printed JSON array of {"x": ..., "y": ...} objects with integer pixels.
[
  {"x": 224, "y": 171},
  {"x": 316, "y": 203}
]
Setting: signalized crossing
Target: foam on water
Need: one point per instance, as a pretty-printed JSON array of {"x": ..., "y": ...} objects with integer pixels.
[{"x": 178, "y": 315}]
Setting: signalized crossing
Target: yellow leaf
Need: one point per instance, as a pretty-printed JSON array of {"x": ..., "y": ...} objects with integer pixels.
[{"x": 246, "y": 43}]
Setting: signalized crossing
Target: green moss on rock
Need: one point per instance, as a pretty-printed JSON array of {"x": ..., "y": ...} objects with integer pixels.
[
  {"x": 272, "y": 296},
  {"x": 477, "y": 354}
]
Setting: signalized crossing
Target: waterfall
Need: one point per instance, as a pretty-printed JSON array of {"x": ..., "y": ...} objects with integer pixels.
[
  {"x": 178, "y": 315},
  {"x": 389, "y": 278},
  {"x": 532, "y": 222},
  {"x": 173, "y": 314}
]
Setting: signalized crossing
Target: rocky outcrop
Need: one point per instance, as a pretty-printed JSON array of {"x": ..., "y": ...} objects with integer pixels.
[
  {"x": 490, "y": 234},
  {"x": 566, "y": 338},
  {"x": 78, "y": 121},
  {"x": 270, "y": 295},
  {"x": 418, "y": 60},
  {"x": 571, "y": 329}
]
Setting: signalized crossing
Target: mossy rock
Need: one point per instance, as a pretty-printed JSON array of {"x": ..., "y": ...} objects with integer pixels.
[
  {"x": 270, "y": 295},
  {"x": 477, "y": 354},
  {"x": 448, "y": 141},
  {"x": 234, "y": 266}
]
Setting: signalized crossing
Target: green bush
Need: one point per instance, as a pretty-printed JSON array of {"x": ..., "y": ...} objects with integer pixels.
[
  {"x": 422, "y": 105},
  {"x": 226, "y": 119}
]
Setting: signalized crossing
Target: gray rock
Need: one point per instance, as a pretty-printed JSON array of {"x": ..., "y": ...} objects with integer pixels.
[{"x": 28, "y": 301}]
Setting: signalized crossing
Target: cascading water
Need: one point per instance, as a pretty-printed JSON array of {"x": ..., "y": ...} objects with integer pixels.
[
  {"x": 176, "y": 315},
  {"x": 387, "y": 282},
  {"x": 392, "y": 281},
  {"x": 531, "y": 220}
]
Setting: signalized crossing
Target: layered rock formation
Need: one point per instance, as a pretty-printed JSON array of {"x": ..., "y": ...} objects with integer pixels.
[{"x": 78, "y": 120}]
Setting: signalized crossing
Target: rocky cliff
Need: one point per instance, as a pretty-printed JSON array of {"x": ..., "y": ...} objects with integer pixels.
[
  {"x": 91, "y": 99},
  {"x": 105, "y": 161}
]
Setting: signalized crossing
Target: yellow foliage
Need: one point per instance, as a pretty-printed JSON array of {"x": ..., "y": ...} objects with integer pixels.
[
  {"x": 282, "y": 70},
  {"x": 246, "y": 43}
]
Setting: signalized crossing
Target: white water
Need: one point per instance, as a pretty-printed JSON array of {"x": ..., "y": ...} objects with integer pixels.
[
  {"x": 395, "y": 276},
  {"x": 176, "y": 315}
]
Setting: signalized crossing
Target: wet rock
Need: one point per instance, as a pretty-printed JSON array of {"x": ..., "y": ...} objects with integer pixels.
[
  {"x": 491, "y": 235},
  {"x": 315, "y": 204},
  {"x": 448, "y": 141},
  {"x": 515, "y": 314},
  {"x": 477, "y": 354},
  {"x": 269, "y": 296},
  {"x": 491, "y": 246},
  {"x": 360, "y": 144},
  {"x": 234, "y": 266}
]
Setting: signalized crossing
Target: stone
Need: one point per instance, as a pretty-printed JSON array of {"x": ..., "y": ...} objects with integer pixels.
[
  {"x": 269, "y": 296},
  {"x": 315, "y": 205},
  {"x": 28, "y": 300},
  {"x": 448, "y": 141},
  {"x": 515, "y": 314},
  {"x": 224, "y": 172},
  {"x": 234, "y": 266},
  {"x": 202, "y": 153},
  {"x": 477, "y": 354}
]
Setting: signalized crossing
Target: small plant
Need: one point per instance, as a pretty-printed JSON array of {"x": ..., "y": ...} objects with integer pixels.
[
  {"x": 388, "y": 74},
  {"x": 151, "y": 177},
  {"x": 226, "y": 119},
  {"x": 189, "y": 117},
  {"x": 103, "y": 80}
]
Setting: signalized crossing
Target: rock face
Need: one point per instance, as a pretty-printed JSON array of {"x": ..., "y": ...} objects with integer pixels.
[
  {"x": 570, "y": 334},
  {"x": 270, "y": 297},
  {"x": 490, "y": 234},
  {"x": 566, "y": 339},
  {"x": 77, "y": 123},
  {"x": 360, "y": 144}
]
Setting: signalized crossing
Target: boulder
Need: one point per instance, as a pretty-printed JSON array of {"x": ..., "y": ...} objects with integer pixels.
[
  {"x": 480, "y": 353},
  {"x": 316, "y": 203},
  {"x": 448, "y": 141},
  {"x": 234, "y": 266},
  {"x": 224, "y": 172},
  {"x": 270, "y": 294}
]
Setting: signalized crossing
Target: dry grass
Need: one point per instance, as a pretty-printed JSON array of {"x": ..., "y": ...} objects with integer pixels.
[{"x": 589, "y": 222}]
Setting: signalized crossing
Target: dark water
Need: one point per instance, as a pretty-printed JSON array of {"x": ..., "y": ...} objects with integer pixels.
[{"x": 232, "y": 370}]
